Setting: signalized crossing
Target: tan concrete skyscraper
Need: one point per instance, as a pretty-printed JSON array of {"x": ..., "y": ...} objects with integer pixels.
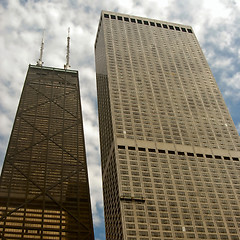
[
  {"x": 44, "y": 190},
  {"x": 169, "y": 149}
]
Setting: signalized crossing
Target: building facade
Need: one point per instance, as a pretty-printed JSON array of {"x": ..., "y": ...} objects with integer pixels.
[
  {"x": 169, "y": 149},
  {"x": 44, "y": 189}
]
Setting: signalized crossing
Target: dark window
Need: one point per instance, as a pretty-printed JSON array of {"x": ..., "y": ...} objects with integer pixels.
[
  {"x": 199, "y": 155},
  {"x": 161, "y": 151},
  {"x": 113, "y": 17},
  {"x": 151, "y": 150},
  {"x": 218, "y": 157},
  {"x": 171, "y": 152},
  {"x": 183, "y": 29},
  {"x": 126, "y": 19},
  {"x": 152, "y": 23},
  {"x": 165, "y": 26},
  {"x": 190, "y": 154},
  {"x": 131, "y": 148},
  {"x": 189, "y": 30},
  {"x": 141, "y": 149},
  {"x": 106, "y": 15},
  {"x": 133, "y": 20},
  {"x": 159, "y": 25},
  {"x": 139, "y": 21},
  {"x": 226, "y": 158},
  {"x": 119, "y": 18},
  {"x": 145, "y": 22},
  {"x": 171, "y": 27},
  {"x": 208, "y": 156},
  {"x": 181, "y": 153},
  {"x": 177, "y": 28},
  {"x": 121, "y": 147},
  {"x": 235, "y": 159}
]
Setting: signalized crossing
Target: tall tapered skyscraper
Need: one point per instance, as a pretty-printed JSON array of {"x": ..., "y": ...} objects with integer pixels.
[
  {"x": 169, "y": 148},
  {"x": 44, "y": 189}
]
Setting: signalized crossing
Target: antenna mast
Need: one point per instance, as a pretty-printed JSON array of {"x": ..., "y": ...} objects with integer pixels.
[
  {"x": 66, "y": 66},
  {"x": 40, "y": 62}
]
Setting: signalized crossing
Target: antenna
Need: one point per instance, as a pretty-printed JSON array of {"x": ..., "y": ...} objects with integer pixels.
[
  {"x": 40, "y": 62},
  {"x": 66, "y": 66}
]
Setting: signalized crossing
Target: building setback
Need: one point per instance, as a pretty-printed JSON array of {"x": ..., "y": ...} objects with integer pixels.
[
  {"x": 44, "y": 189},
  {"x": 169, "y": 149}
]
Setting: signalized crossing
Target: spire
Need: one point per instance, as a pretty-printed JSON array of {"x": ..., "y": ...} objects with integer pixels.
[
  {"x": 66, "y": 66},
  {"x": 40, "y": 62}
]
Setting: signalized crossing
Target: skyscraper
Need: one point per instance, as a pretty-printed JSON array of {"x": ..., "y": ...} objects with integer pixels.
[
  {"x": 169, "y": 148},
  {"x": 44, "y": 189}
]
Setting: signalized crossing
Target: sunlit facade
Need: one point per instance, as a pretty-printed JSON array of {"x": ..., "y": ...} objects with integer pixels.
[
  {"x": 44, "y": 189},
  {"x": 169, "y": 149}
]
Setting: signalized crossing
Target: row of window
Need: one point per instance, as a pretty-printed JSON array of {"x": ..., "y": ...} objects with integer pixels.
[
  {"x": 133, "y": 20},
  {"x": 179, "y": 152}
]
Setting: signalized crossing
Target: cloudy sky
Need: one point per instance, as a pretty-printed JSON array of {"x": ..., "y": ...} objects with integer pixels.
[{"x": 216, "y": 24}]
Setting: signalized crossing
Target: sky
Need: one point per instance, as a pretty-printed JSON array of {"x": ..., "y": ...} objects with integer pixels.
[{"x": 215, "y": 23}]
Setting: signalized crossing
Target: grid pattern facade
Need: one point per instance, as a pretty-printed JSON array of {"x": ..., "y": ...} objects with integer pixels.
[
  {"x": 44, "y": 190},
  {"x": 166, "y": 135}
]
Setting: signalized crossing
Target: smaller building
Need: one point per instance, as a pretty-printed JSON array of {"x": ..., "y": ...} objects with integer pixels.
[{"x": 44, "y": 189}]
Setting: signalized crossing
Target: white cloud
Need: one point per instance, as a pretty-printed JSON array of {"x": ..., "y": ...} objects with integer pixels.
[
  {"x": 7, "y": 124},
  {"x": 222, "y": 62},
  {"x": 234, "y": 82},
  {"x": 217, "y": 9}
]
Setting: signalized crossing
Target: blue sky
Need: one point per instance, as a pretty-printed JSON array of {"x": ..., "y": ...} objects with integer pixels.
[{"x": 215, "y": 22}]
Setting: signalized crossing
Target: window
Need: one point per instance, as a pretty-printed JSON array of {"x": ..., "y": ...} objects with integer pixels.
[
  {"x": 171, "y": 152},
  {"x": 165, "y": 26},
  {"x": 145, "y": 22},
  {"x": 171, "y": 27},
  {"x": 191, "y": 235},
  {"x": 152, "y": 23},
  {"x": 126, "y": 19},
  {"x": 130, "y": 226},
  {"x": 121, "y": 147},
  {"x": 106, "y": 15},
  {"x": 131, "y": 148},
  {"x": 177, "y": 28},
  {"x": 183, "y": 29},
  {"x": 133, "y": 20},
  {"x": 181, "y": 153},
  {"x": 143, "y": 233},
  {"x": 151, "y": 150},
  {"x": 119, "y": 18},
  {"x": 189, "y": 30},
  {"x": 159, "y": 25},
  {"x": 139, "y": 21},
  {"x": 161, "y": 151},
  {"x": 113, "y": 17}
]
